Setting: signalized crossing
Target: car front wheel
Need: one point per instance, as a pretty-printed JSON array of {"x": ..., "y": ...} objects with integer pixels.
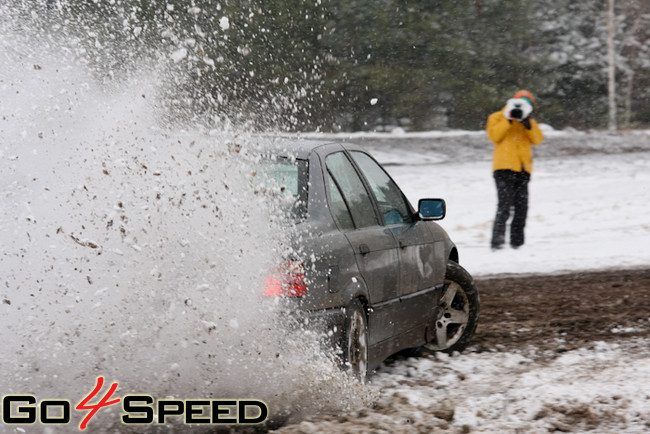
[
  {"x": 355, "y": 341},
  {"x": 457, "y": 312}
]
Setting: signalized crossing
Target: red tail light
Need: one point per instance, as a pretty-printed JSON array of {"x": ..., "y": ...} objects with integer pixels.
[{"x": 287, "y": 281}]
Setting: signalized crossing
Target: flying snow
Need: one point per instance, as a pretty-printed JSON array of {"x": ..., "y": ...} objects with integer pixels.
[{"x": 126, "y": 248}]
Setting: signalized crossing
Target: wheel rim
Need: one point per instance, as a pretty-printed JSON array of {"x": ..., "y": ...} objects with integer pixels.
[
  {"x": 358, "y": 346},
  {"x": 452, "y": 316}
]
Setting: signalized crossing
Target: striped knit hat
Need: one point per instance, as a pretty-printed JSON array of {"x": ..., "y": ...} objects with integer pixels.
[{"x": 525, "y": 94}]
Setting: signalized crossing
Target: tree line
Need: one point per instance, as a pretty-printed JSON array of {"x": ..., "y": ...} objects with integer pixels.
[{"x": 357, "y": 65}]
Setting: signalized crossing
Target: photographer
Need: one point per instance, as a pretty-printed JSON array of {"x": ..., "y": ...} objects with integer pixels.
[{"x": 513, "y": 132}]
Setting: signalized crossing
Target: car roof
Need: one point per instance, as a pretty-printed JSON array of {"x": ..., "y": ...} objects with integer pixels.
[{"x": 299, "y": 147}]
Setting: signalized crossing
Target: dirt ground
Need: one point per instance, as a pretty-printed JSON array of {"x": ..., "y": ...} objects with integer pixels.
[
  {"x": 564, "y": 311},
  {"x": 552, "y": 313}
]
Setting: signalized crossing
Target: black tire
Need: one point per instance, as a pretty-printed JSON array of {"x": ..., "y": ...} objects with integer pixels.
[
  {"x": 355, "y": 341},
  {"x": 457, "y": 313}
]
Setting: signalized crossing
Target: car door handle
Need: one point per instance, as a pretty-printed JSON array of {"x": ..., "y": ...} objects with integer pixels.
[
  {"x": 333, "y": 278},
  {"x": 364, "y": 249}
]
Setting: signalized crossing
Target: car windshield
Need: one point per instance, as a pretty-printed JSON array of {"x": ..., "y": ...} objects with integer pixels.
[{"x": 287, "y": 178}]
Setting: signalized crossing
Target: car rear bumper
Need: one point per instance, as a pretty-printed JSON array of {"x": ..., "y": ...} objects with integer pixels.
[
  {"x": 326, "y": 325},
  {"x": 329, "y": 324}
]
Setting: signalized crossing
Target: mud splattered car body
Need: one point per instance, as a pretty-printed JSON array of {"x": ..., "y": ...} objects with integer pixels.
[{"x": 377, "y": 274}]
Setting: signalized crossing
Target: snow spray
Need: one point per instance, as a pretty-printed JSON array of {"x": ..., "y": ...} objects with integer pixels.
[{"x": 135, "y": 251}]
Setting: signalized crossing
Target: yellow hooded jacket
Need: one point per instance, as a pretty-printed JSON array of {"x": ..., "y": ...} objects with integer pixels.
[{"x": 513, "y": 143}]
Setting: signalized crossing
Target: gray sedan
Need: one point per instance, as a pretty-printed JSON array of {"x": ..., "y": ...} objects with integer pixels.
[{"x": 376, "y": 274}]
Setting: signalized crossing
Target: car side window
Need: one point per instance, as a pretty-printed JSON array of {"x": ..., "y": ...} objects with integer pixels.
[
  {"x": 393, "y": 205},
  {"x": 337, "y": 205},
  {"x": 352, "y": 190}
]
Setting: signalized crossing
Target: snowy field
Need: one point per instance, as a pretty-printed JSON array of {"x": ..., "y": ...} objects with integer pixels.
[{"x": 589, "y": 197}]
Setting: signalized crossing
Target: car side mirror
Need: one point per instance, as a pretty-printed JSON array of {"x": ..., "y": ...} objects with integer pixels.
[{"x": 432, "y": 209}]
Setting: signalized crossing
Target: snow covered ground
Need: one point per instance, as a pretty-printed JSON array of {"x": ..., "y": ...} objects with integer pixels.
[
  {"x": 587, "y": 211},
  {"x": 603, "y": 388}
]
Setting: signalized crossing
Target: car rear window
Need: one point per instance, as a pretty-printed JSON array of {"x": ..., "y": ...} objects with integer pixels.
[{"x": 288, "y": 176}]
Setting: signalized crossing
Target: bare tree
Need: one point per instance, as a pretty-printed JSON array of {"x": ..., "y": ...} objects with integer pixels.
[
  {"x": 631, "y": 40},
  {"x": 634, "y": 12},
  {"x": 611, "y": 65}
]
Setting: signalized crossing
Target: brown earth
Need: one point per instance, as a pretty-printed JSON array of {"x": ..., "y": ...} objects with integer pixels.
[
  {"x": 564, "y": 311},
  {"x": 551, "y": 313}
]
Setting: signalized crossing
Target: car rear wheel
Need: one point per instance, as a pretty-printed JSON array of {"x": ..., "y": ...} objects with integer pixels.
[
  {"x": 355, "y": 341},
  {"x": 456, "y": 315}
]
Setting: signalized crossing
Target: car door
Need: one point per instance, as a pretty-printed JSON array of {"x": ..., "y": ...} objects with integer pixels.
[
  {"x": 416, "y": 245},
  {"x": 374, "y": 245}
]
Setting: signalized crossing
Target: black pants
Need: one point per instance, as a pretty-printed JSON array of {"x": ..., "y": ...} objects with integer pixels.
[{"x": 512, "y": 191}]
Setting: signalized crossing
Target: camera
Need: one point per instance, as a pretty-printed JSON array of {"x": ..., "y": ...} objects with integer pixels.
[
  {"x": 518, "y": 109},
  {"x": 517, "y": 112}
]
